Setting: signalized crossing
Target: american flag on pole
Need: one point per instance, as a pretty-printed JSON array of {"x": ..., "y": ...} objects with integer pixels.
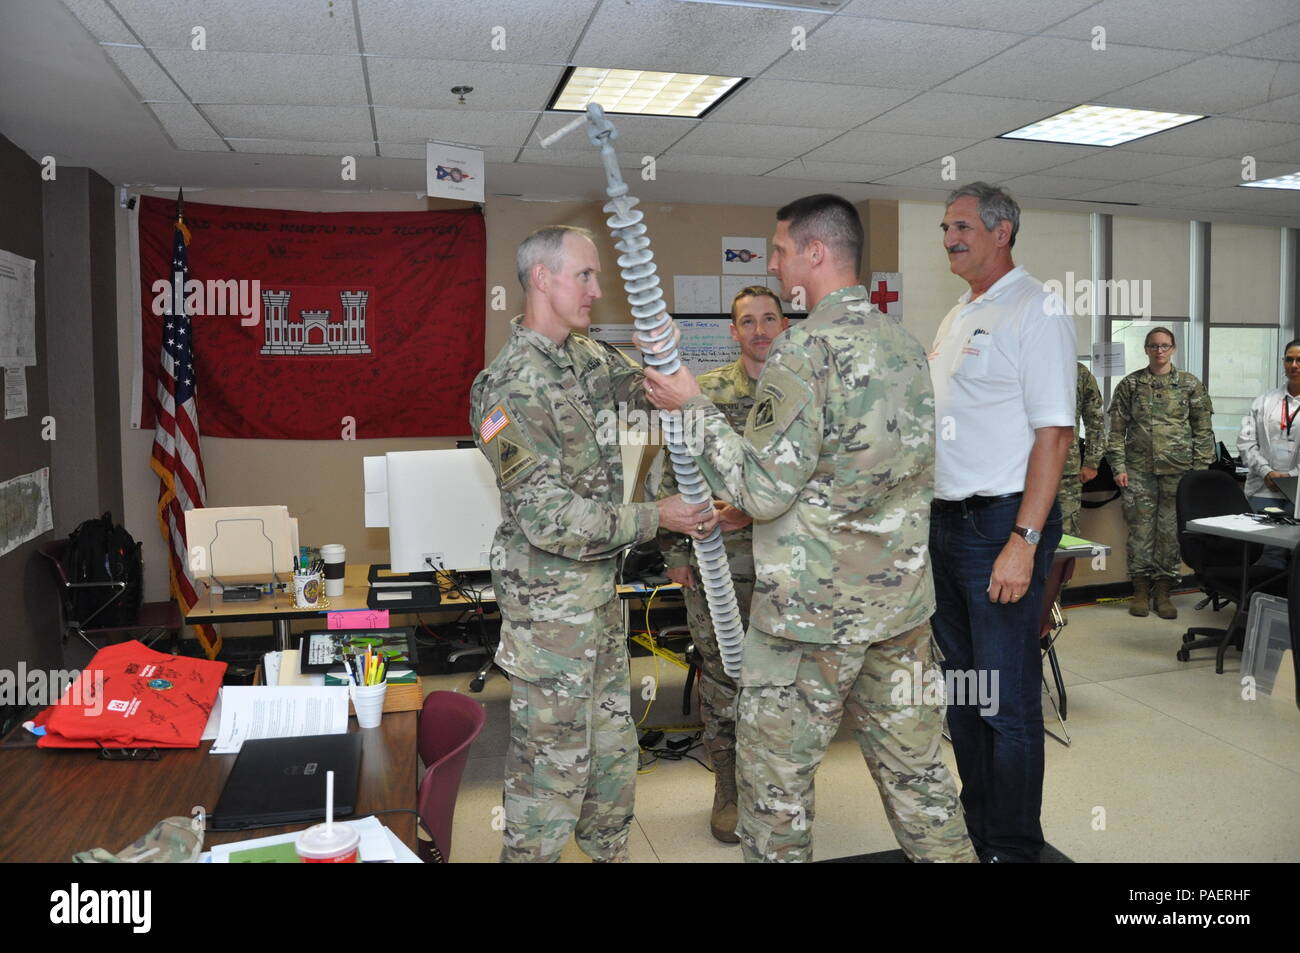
[{"x": 176, "y": 457}]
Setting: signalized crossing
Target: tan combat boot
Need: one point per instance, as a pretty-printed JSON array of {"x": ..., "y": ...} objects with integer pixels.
[
  {"x": 1140, "y": 604},
  {"x": 722, "y": 820},
  {"x": 1160, "y": 594}
]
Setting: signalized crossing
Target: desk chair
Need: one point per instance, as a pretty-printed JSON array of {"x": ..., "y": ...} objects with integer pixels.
[
  {"x": 1223, "y": 566},
  {"x": 449, "y": 723},
  {"x": 1049, "y": 629},
  {"x": 154, "y": 620}
]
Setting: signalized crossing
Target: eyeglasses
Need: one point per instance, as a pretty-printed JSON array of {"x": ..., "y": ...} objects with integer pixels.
[{"x": 1160, "y": 347}]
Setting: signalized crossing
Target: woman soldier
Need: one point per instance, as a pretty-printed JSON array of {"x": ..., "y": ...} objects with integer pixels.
[{"x": 1159, "y": 429}]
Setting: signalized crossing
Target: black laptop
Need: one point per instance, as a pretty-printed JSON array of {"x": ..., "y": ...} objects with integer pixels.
[{"x": 282, "y": 780}]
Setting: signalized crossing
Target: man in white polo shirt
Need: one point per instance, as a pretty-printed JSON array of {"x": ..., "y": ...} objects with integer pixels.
[{"x": 1004, "y": 386}]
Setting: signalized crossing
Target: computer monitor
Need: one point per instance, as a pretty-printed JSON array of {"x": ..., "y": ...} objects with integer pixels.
[{"x": 443, "y": 509}]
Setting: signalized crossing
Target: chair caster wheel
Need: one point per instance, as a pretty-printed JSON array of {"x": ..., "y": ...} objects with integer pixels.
[
  {"x": 476, "y": 685},
  {"x": 1182, "y": 655}
]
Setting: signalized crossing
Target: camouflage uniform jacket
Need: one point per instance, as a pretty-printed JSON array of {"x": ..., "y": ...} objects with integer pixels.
[
  {"x": 1160, "y": 423},
  {"x": 837, "y": 469},
  {"x": 730, "y": 388},
  {"x": 1088, "y": 410},
  {"x": 563, "y": 520}
]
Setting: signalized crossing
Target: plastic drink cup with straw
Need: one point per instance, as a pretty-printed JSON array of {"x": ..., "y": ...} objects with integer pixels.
[{"x": 329, "y": 843}]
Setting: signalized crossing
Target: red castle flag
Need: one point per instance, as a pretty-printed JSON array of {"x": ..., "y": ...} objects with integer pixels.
[{"x": 324, "y": 325}]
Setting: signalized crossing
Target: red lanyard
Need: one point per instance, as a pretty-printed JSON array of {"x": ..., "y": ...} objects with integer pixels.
[{"x": 1288, "y": 419}]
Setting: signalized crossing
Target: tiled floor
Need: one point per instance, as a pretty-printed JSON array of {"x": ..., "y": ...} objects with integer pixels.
[{"x": 1168, "y": 762}]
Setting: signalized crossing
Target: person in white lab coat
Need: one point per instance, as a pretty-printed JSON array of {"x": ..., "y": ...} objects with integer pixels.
[{"x": 1267, "y": 440}]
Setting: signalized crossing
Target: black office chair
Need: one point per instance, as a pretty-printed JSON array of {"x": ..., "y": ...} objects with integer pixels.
[
  {"x": 1218, "y": 562},
  {"x": 1293, "y": 615}
]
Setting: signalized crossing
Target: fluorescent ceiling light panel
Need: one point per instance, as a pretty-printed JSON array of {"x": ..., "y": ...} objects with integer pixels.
[
  {"x": 1291, "y": 181},
  {"x": 642, "y": 92},
  {"x": 1099, "y": 126}
]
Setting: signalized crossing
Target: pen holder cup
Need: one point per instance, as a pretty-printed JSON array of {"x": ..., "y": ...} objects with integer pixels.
[
  {"x": 368, "y": 700},
  {"x": 308, "y": 590}
]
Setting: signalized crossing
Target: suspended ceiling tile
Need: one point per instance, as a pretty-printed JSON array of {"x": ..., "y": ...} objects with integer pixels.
[
  {"x": 182, "y": 121},
  {"x": 1216, "y": 138},
  {"x": 425, "y": 84},
  {"x": 820, "y": 105},
  {"x": 537, "y": 31},
  {"x": 1017, "y": 156},
  {"x": 1122, "y": 165},
  {"x": 278, "y": 26},
  {"x": 1215, "y": 84},
  {"x": 887, "y": 148},
  {"x": 714, "y": 165},
  {"x": 814, "y": 171},
  {"x": 267, "y": 79},
  {"x": 891, "y": 53},
  {"x": 1068, "y": 70},
  {"x": 1205, "y": 25},
  {"x": 97, "y": 17},
  {"x": 356, "y": 150},
  {"x": 449, "y": 125},
  {"x": 201, "y": 145},
  {"x": 957, "y": 114},
  {"x": 1037, "y": 185},
  {"x": 1012, "y": 15},
  {"x": 306, "y": 123},
  {"x": 144, "y": 74},
  {"x": 690, "y": 37},
  {"x": 744, "y": 139},
  {"x": 1281, "y": 44}
]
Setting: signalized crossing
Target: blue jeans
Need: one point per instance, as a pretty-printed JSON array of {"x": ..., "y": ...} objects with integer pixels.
[{"x": 999, "y": 747}]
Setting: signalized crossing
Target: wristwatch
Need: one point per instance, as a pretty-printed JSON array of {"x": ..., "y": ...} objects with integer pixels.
[{"x": 1032, "y": 536}]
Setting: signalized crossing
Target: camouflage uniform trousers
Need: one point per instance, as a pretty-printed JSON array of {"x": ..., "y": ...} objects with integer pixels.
[
  {"x": 1069, "y": 496},
  {"x": 1152, "y": 517},
  {"x": 718, "y": 690},
  {"x": 792, "y": 698},
  {"x": 572, "y": 761}
]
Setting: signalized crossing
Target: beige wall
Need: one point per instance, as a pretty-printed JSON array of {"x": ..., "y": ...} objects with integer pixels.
[{"x": 321, "y": 480}]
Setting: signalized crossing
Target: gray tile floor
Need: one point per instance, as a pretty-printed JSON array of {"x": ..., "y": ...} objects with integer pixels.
[{"x": 1168, "y": 762}]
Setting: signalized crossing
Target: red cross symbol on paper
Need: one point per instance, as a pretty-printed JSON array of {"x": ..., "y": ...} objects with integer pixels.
[{"x": 882, "y": 296}]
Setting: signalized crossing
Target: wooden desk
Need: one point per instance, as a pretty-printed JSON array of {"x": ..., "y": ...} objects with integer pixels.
[{"x": 54, "y": 803}]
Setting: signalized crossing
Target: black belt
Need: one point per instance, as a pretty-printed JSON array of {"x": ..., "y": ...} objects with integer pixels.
[{"x": 970, "y": 503}]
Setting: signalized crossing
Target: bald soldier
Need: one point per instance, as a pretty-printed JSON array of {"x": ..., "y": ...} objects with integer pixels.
[
  {"x": 572, "y": 760},
  {"x": 756, "y": 321},
  {"x": 835, "y": 467}
]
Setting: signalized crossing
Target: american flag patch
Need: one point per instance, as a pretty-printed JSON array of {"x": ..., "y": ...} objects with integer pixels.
[{"x": 493, "y": 424}]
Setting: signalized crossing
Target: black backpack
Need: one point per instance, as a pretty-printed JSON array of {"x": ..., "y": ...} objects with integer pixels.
[{"x": 99, "y": 550}]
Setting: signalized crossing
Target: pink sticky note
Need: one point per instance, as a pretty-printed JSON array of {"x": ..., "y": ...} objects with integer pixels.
[{"x": 358, "y": 619}]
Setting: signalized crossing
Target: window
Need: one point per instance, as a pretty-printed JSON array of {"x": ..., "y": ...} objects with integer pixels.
[{"x": 1244, "y": 363}]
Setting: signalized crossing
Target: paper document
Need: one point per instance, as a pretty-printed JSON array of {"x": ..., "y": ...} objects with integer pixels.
[
  {"x": 258, "y": 711},
  {"x": 1238, "y": 521},
  {"x": 24, "y": 509},
  {"x": 17, "y": 310},
  {"x": 15, "y": 392}
]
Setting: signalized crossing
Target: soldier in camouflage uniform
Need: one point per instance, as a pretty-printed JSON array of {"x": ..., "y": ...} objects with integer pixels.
[
  {"x": 572, "y": 761},
  {"x": 1088, "y": 411},
  {"x": 835, "y": 467},
  {"x": 1159, "y": 429},
  {"x": 756, "y": 320}
]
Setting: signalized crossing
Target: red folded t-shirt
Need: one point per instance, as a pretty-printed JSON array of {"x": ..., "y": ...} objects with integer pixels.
[{"x": 146, "y": 699}]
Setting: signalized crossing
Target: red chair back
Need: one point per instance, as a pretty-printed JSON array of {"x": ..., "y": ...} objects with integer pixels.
[
  {"x": 1060, "y": 573},
  {"x": 449, "y": 723}
]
